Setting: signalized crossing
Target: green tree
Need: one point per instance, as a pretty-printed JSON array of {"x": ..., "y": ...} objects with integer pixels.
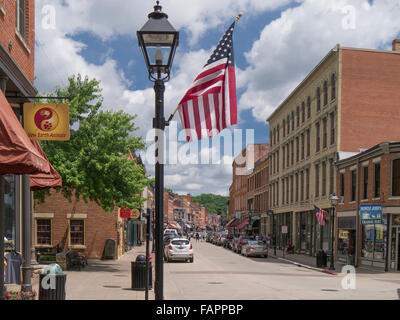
[
  {"x": 213, "y": 203},
  {"x": 94, "y": 163}
]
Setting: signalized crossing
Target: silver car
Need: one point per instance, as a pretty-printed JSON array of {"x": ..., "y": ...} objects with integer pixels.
[
  {"x": 178, "y": 249},
  {"x": 255, "y": 248}
]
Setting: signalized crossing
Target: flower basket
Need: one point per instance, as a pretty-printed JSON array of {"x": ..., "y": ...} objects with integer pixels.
[{"x": 19, "y": 295}]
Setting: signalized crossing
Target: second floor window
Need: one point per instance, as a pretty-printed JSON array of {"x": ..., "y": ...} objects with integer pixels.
[
  {"x": 333, "y": 87},
  {"x": 353, "y": 185},
  {"x": 307, "y": 184},
  {"x": 302, "y": 146},
  {"x": 396, "y": 178},
  {"x": 308, "y": 107},
  {"x": 308, "y": 142},
  {"x": 325, "y": 93},
  {"x": 365, "y": 184},
  {"x": 323, "y": 179},
  {"x": 342, "y": 184},
  {"x": 332, "y": 128},
  {"x": 318, "y": 99},
  {"x": 21, "y": 17},
  {"x": 377, "y": 180}
]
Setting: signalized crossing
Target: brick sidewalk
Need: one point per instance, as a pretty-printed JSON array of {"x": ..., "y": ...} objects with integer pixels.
[{"x": 105, "y": 279}]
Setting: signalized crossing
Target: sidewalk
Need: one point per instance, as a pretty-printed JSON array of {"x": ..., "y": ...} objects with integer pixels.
[
  {"x": 310, "y": 262},
  {"x": 105, "y": 279}
]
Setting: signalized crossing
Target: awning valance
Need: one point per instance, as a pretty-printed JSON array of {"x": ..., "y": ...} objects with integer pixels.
[
  {"x": 229, "y": 224},
  {"x": 17, "y": 153},
  {"x": 45, "y": 180},
  {"x": 243, "y": 223}
]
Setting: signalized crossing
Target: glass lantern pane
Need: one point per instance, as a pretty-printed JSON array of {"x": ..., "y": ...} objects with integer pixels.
[
  {"x": 162, "y": 39},
  {"x": 159, "y": 53}
]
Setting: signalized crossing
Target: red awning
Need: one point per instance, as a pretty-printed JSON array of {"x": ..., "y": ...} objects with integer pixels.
[
  {"x": 232, "y": 223},
  {"x": 45, "y": 180},
  {"x": 243, "y": 223},
  {"x": 17, "y": 153}
]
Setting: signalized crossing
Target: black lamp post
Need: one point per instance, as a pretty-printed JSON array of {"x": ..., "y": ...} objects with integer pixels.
[
  {"x": 334, "y": 201},
  {"x": 158, "y": 40}
]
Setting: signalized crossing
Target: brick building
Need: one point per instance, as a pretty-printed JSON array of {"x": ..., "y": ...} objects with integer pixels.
[
  {"x": 371, "y": 177},
  {"x": 258, "y": 196},
  {"x": 242, "y": 166},
  {"x": 76, "y": 225},
  {"x": 347, "y": 103}
]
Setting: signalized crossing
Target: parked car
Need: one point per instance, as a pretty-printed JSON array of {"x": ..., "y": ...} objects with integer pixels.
[
  {"x": 239, "y": 243},
  {"x": 168, "y": 237},
  {"x": 221, "y": 240},
  {"x": 228, "y": 241},
  {"x": 179, "y": 249},
  {"x": 254, "y": 248},
  {"x": 171, "y": 231}
]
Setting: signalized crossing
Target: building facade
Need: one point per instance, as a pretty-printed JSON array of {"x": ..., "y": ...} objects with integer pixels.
[
  {"x": 17, "y": 47},
  {"x": 370, "y": 179},
  {"x": 347, "y": 103}
]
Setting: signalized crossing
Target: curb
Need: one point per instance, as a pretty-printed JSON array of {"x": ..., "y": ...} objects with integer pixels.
[{"x": 306, "y": 266}]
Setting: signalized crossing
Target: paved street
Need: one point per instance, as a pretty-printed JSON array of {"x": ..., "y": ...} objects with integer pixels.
[{"x": 218, "y": 273}]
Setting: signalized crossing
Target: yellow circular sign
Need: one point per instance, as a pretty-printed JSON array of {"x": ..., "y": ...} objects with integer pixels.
[{"x": 135, "y": 214}]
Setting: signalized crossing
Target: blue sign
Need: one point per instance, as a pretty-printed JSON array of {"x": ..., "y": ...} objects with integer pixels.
[{"x": 371, "y": 213}]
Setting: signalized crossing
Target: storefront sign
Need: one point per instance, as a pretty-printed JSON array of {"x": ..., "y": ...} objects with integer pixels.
[
  {"x": 46, "y": 121},
  {"x": 124, "y": 212},
  {"x": 343, "y": 234},
  {"x": 371, "y": 213},
  {"x": 284, "y": 229},
  {"x": 135, "y": 214}
]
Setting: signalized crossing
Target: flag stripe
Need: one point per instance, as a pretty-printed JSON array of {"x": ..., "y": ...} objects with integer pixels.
[{"x": 210, "y": 104}]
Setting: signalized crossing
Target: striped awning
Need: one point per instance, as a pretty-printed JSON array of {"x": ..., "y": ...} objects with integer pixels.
[{"x": 232, "y": 223}]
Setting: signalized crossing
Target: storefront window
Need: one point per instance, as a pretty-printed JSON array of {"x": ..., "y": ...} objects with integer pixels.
[
  {"x": 10, "y": 216},
  {"x": 374, "y": 241}
]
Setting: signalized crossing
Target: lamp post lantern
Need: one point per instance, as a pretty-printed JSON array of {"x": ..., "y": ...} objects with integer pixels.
[
  {"x": 158, "y": 40},
  {"x": 334, "y": 202}
]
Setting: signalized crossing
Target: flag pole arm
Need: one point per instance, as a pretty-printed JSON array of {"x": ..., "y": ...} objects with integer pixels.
[{"x": 176, "y": 109}]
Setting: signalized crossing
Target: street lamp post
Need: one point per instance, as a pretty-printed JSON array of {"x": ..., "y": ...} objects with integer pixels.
[
  {"x": 334, "y": 201},
  {"x": 158, "y": 40}
]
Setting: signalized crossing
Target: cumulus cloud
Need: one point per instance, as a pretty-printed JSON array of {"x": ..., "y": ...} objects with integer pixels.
[
  {"x": 289, "y": 47},
  {"x": 285, "y": 52}
]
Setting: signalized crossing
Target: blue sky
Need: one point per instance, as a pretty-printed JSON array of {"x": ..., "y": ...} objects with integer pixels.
[{"x": 276, "y": 42}]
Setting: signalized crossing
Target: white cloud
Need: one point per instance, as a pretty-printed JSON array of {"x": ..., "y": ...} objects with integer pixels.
[
  {"x": 292, "y": 45},
  {"x": 285, "y": 52}
]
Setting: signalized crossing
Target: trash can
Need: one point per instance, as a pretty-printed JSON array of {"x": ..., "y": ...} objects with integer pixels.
[
  {"x": 52, "y": 282},
  {"x": 138, "y": 273},
  {"x": 321, "y": 259}
]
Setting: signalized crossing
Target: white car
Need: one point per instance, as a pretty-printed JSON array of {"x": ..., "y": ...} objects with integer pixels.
[
  {"x": 178, "y": 249},
  {"x": 171, "y": 231}
]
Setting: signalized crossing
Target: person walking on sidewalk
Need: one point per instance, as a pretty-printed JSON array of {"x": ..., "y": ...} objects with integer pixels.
[{"x": 197, "y": 237}]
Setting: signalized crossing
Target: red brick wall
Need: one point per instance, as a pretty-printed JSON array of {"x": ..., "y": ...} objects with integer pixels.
[
  {"x": 370, "y": 99},
  {"x": 100, "y": 225},
  {"x": 19, "y": 53}
]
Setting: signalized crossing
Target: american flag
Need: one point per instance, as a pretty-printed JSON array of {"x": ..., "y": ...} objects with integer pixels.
[
  {"x": 320, "y": 214},
  {"x": 209, "y": 106}
]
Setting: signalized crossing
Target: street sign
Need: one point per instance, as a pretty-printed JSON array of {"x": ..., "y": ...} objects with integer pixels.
[
  {"x": 371, "y": 213},
  {"x": 284, "y": 229}
]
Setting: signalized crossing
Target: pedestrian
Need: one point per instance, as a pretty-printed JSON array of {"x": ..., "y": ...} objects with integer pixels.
[
  {"x": 188, "y": 236},
  {"x": 197, "y": 237}
]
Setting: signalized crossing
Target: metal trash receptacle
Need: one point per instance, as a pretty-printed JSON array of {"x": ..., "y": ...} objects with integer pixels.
[
  {"x": 52, "y": 283},
  {"x": 321, "y": 259},
  {"x": 138, "y": 273}
]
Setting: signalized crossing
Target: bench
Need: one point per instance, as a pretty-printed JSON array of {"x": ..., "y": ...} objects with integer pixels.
[{"x": 74, "y": 259}]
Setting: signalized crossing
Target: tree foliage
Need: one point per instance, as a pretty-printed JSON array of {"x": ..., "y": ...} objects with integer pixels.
[
  {"x": 213, "y": 203},
  {"x": 94, "y": 163}
]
